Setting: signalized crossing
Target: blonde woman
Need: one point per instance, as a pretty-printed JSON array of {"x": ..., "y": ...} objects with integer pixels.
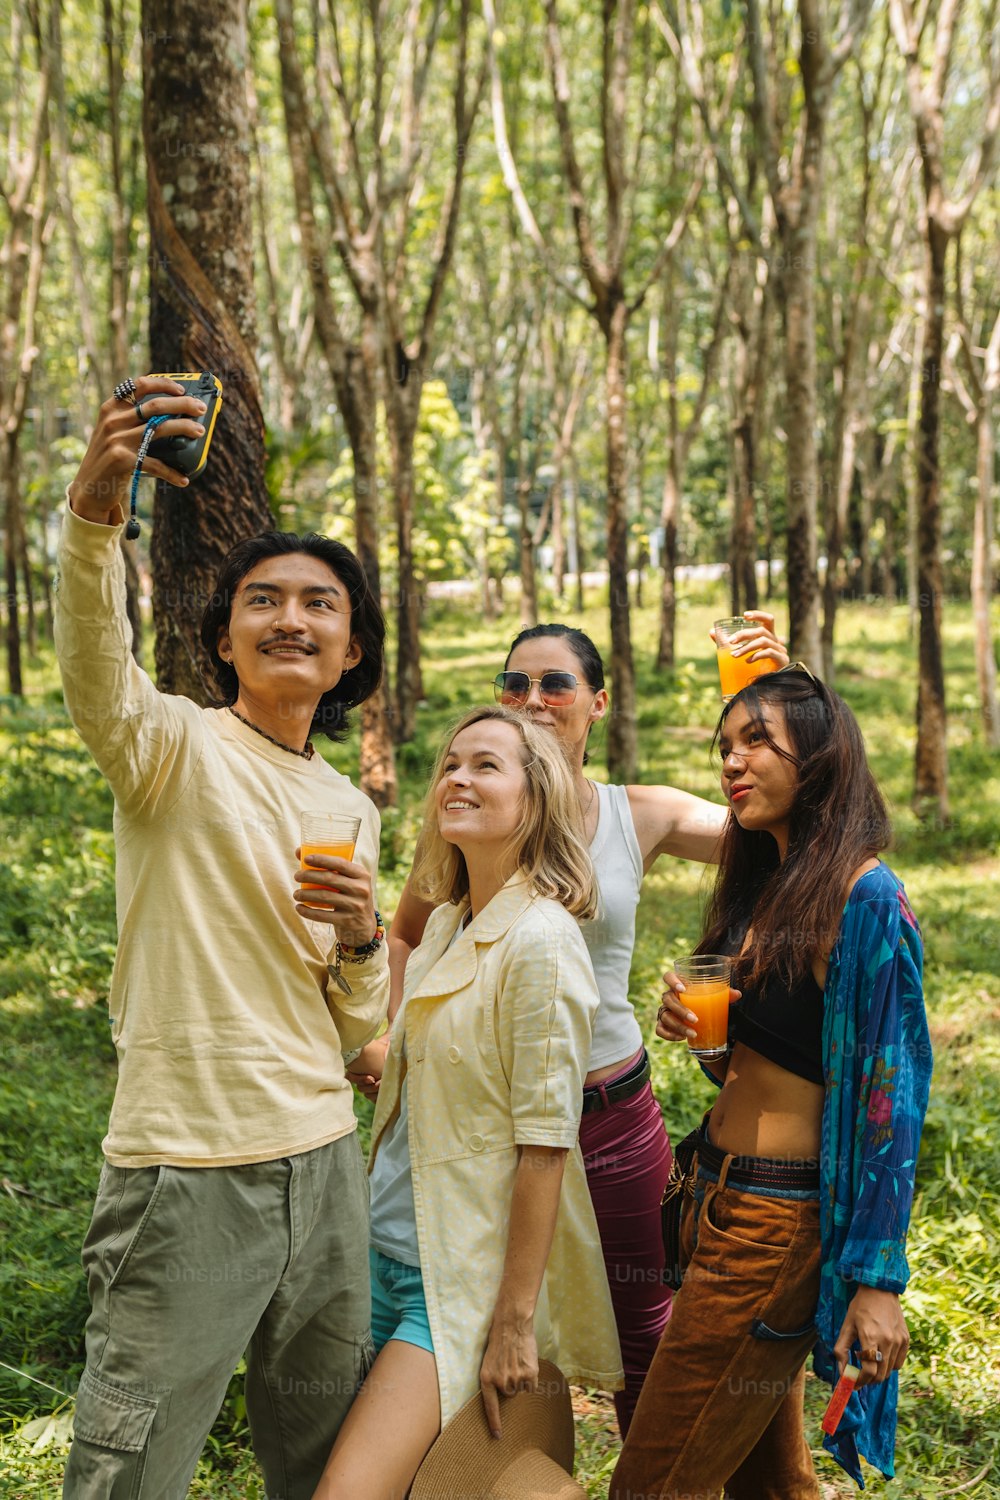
[{"x": 485, "y": 1251}]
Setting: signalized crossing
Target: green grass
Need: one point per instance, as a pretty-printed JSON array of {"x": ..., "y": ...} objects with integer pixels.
[{"x": 57, "y": 914}]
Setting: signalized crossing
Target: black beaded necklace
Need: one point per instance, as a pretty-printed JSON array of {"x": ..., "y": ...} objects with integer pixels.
[{"x": 306, "y": 754}]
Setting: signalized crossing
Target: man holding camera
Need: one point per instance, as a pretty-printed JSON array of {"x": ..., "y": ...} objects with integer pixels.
[{"x": 231, "y": 1215}]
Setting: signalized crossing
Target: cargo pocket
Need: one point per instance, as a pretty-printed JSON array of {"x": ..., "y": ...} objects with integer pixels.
[
  {"x": 111, "y": 1429},
  {"x": 140, "y": 1192}
]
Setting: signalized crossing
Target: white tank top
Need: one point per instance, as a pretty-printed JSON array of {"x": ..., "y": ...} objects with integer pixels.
[{"x": 611, "y": 936}]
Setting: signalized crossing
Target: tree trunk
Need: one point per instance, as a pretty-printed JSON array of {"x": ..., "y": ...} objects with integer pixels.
[
  {"x": 573, "y": 483},
  {"x": 802, "y": 477},
  {"x": 357, "y": 403},
  {"x": 665, "y": 654},
  {"x": 867, "y": 518},
  {"x": 43, "y": 553},
  {"x": 402, "y": 422},
  {"x": 558, "y": 534},
  {"x": 744, "y": 572},
  {"x": 526, "y": 549},
  {"x": 354, "y": 375},
  {"x": 982, "y": 573},
  {"x": 12, "y": 528},
  {"x": 481, "y": 433},
  {"x": 622, "y": 740},
  {"x": 836, "y": 531},
  {"x": 915, "y": 460},
  {"x": 202, "y": 308},
  {"x": 30, "y": 622},
  {"x": 930, "y": 793},
  {"x": 113, "y": 39},
  {"x": 21, "y": 255},
  {"x": 848, "y": 424}
]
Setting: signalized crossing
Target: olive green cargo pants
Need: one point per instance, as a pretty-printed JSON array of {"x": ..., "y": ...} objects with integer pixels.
[{"x": 188, "y": 1268}]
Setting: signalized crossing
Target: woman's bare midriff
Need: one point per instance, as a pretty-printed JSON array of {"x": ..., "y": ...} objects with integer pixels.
[
  {"x": 763, "y": 1110},
  {"x": 598, "y": 1075}
]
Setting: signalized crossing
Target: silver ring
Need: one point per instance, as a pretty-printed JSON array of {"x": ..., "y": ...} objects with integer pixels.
[
  {"x": 125, "y": 391},
  {"x": 140, "y": 415}
]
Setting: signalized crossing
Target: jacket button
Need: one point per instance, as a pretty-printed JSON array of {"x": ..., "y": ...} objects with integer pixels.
[
  {"x": 454, "y": 1054},
  {"x": 476, "y": 1143}
]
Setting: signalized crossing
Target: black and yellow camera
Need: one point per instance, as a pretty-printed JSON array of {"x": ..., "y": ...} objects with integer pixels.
[{"x": 190, "y": 454}]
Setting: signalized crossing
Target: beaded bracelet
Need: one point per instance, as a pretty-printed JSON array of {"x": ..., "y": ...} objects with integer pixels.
[
  {"x": 343, "y": 953},
  {"x": 359, "y": 955},
  {"x": 133, "y": 528}
]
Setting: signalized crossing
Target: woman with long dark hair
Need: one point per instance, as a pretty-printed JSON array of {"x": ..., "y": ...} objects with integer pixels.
[
  {"x": 795, "y": 1217},
  {"x": 555, "y": 675}
]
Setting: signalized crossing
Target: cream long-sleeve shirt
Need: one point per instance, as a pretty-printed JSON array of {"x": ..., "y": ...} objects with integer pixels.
[
  {"x": 230, "y": 1034},
  {"x": 497, "y": 1028}
]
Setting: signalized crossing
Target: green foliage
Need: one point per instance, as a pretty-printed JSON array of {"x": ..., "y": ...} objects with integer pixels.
[{"x": 56, "y": 902}]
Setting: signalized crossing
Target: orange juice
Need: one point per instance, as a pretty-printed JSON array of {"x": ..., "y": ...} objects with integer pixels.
[
  {"x": 709, "y": 999},
  {"x": 736, "y": 671},
  {"x": 335, "y": 834},
  {"x": 705, "y": 977},
  {"x": 342, "y": 850}
]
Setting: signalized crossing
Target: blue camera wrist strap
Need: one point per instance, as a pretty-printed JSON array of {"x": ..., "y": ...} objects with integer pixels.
[{"x": 133, "y": 528}]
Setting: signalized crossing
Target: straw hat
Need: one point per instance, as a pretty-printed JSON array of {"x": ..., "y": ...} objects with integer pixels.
[{"x": 533, "y": 1460}]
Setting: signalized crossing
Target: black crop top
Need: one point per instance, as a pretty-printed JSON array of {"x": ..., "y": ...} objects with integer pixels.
[{"x": 784, "y": 1025}]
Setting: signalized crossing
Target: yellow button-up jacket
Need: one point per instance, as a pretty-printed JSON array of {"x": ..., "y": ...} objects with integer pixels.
[{"x": 498, "y": 1029}]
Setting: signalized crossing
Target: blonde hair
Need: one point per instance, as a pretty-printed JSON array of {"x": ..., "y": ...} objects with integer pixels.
[{"x": 549, "y": 846}]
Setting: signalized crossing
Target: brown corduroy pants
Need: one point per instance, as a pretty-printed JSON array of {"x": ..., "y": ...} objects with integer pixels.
[{"x": 722, "y": 1403}]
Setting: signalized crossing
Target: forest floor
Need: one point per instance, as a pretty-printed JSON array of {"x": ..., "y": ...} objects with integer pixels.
[{"x": 57, "y": 914}]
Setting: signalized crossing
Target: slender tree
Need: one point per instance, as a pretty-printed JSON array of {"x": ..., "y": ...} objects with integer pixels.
[
  {"x": 24, "y": 193},
  {"x": 202, "y": 305},
  {"x": 794, "y": 173},
  {"x": 943, "y": 216},
  {"x": 105, "y": 331},
  {"x": 353, "y": 364},
  {"x": 682, "y": 430},
  {"x": 974, "y": 366},
  {"x": 365, "y": 131},
  {"x": 602, "y": 269}
]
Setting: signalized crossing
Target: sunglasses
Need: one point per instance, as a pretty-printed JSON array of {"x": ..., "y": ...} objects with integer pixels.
[
  {"x": 797, "y": 666},
  {"x": 556, "y": 689}
]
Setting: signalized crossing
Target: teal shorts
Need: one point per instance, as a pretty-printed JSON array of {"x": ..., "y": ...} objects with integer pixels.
[{"x": 398, "y": 1307}]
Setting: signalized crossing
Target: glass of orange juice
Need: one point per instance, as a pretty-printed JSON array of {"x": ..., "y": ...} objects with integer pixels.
[
  {"x": 327, "y": 833},
  {"x": 736, "y": 671},
  {"x": 706, "y": 993}
]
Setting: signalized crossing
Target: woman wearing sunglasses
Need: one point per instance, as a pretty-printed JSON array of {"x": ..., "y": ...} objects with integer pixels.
[
  {"x": 555, "y": 674},
  {"x": 794, "y": 1217}
]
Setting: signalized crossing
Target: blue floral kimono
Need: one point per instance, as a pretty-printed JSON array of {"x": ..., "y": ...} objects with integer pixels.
[{"x": 877, "y": 1064}]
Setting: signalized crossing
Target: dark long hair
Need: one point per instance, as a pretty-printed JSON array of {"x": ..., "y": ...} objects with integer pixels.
[
  {"x": 837, "y": 821},
  {"x": 367, "y": 621}
]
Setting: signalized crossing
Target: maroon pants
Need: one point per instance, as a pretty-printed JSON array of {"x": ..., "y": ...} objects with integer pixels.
[
  {"x": 627, "y": 1155},
  {"x": 722, "y": 1404}
]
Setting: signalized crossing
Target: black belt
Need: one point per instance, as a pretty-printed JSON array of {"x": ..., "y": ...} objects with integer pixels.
[
  {"x": 757, "y": 1171},
  {"x": 601, "y": 1095}
]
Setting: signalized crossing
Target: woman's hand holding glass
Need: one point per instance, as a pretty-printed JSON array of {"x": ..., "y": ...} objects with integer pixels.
[
  {"x": 759, "y": 642},
  {"x": 675, "y": 1020}
]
